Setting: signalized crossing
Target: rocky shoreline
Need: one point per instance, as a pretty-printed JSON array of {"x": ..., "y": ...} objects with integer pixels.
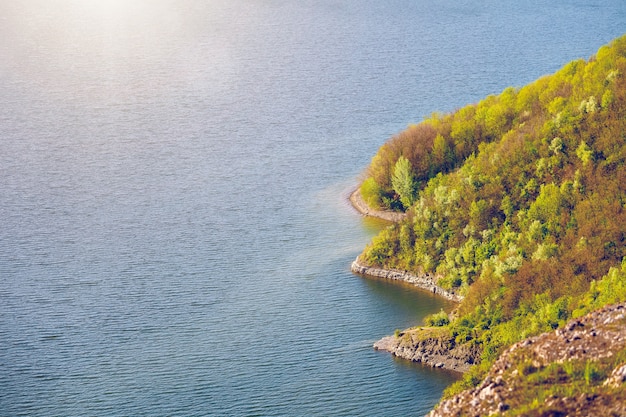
[
  {"x": 438, "y": 352},
  {"x": 427, "y": 282},
  {"x": 433, "y": 350}
]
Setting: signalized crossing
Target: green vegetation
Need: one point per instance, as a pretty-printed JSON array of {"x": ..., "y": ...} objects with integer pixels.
[
  {"x": 403, "y": 182},
  {"x": 438, "y": 319},
  {"x": 518, "y": 201}
]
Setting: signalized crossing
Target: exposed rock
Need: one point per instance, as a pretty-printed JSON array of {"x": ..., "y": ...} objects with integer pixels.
[
  {"x": 437, "y": 351},
  {"x": 597, "y": 335},
  {"x": 617, "y": 378},
  {"x": 427, "y": 282}
]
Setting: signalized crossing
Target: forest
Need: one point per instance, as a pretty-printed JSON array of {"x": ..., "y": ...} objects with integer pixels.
[{"x": 517, "y": 202}]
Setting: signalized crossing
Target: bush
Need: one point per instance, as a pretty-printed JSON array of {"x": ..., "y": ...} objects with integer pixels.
[
  {"x": 371, "y": 193},
  {"x": 438, "y": 319}
]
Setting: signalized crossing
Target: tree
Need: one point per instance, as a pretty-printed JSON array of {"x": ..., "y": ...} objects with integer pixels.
[
  {"x": 584, "y": 152},
  {"x": 403, "y": 182}
]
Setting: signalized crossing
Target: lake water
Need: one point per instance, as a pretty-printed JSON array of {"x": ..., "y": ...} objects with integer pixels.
[{"x": 174, "y": 232}]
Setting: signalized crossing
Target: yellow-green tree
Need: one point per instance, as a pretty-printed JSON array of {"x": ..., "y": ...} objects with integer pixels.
[{"x": 403, "y": 182}]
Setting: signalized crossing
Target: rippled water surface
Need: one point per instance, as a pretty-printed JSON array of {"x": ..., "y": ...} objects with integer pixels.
[{"x": 174, "y": 233}]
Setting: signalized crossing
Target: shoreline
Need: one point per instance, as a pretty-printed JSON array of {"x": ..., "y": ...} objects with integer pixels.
[
  {"x": 361, "y": 206},
  {"x": 436, "y": 352},
  {"x": 430, "y": 351},
  {"x": 426, "y": 282}
]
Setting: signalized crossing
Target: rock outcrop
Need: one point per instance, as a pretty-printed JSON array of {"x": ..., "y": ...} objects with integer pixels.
[
  {"x": 430, "y": 348},
  {"x": 515, "y": 379}
]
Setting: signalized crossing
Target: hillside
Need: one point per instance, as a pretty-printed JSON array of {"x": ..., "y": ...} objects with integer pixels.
[
  {"x": 579, "y": 370},
  {"x": 517, "y": 203}
]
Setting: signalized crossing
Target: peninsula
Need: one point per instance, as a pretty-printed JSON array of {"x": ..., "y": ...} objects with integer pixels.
[{"x": 516, "y": 208}]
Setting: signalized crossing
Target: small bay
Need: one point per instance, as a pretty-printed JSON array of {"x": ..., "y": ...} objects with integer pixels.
[{"x": 175, "y": 234}]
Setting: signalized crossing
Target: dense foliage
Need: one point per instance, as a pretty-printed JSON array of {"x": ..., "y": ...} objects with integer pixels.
[{"x": 518, "y": 202}]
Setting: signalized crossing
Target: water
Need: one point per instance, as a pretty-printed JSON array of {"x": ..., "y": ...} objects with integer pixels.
[{"x": 175, "y": 238}]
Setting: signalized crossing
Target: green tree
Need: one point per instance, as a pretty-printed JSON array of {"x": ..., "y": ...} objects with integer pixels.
[
  {"x": 403, "y": 182},
  {"x": 585, "y": 153},
  {"x": 371, "y": 193},
  {"x": 443, "y": 153}
]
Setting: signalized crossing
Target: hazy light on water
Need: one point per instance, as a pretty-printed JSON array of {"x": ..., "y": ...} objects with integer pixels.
[{"x": 89, "y": 43}]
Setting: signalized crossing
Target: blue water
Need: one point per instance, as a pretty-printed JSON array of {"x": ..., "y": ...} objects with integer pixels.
[{"x": 174, "y": 232}]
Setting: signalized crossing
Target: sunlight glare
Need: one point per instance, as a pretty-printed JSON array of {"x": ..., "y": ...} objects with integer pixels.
[{"x": 89, "y": 40}]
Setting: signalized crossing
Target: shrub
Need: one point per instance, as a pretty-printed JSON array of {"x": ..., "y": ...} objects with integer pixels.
[
  {"x": 438, "y": 319},
  {"x": 371, "y": 193}
]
